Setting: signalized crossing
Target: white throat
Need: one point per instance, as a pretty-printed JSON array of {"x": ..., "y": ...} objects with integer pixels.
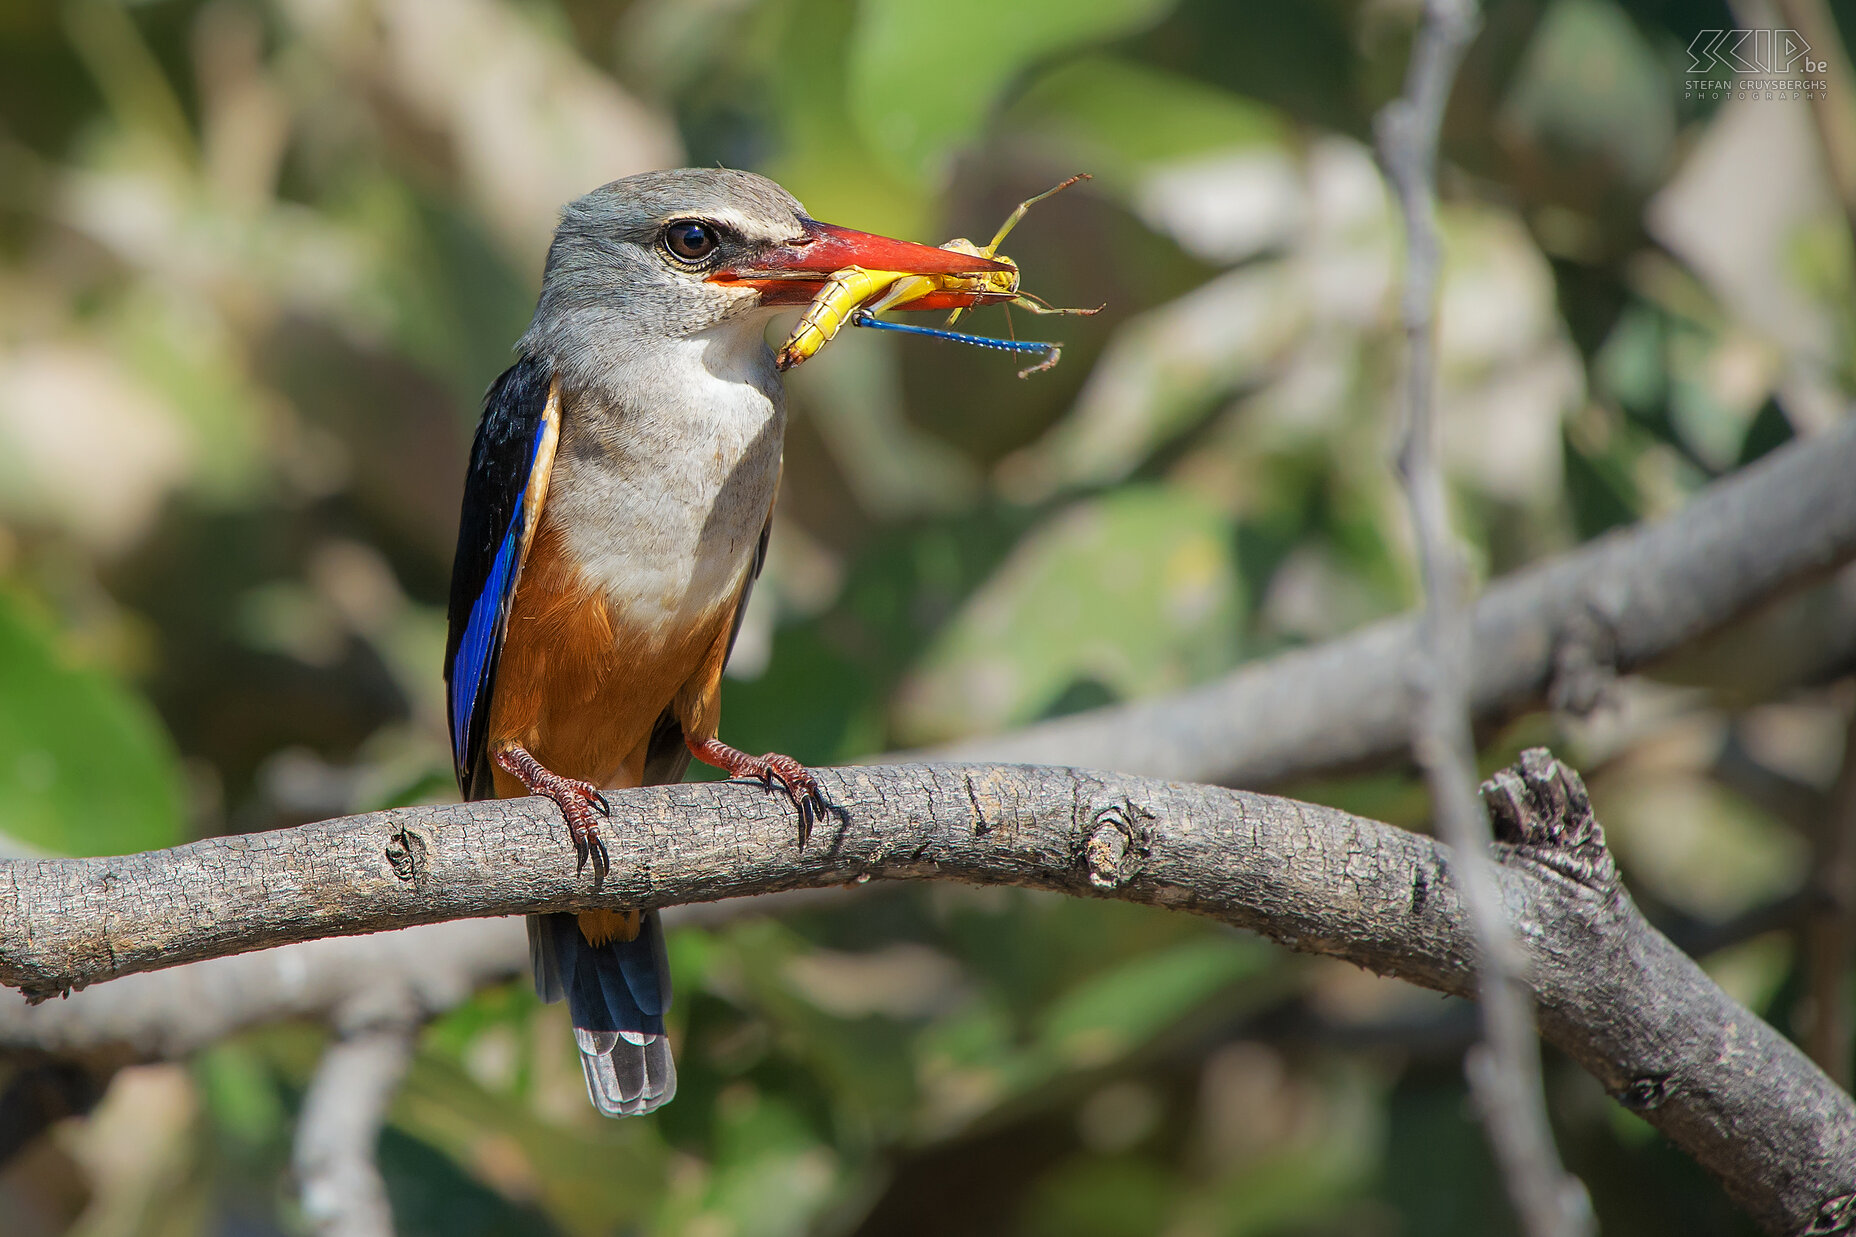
[{"x": 666, "y": 476}]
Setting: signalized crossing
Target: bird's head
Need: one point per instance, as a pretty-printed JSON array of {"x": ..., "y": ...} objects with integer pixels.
[{"x": 668, "y": 255}]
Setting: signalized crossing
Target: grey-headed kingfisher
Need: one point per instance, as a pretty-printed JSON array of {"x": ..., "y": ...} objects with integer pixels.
[{"x": 616, "y": 513}]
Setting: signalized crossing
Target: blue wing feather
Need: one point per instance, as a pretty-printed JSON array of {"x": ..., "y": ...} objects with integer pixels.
[
  {"x": 482, "y": 635},
  {"x": 483, "y": 576}
]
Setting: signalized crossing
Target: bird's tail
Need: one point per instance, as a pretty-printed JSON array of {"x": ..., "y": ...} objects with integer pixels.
[{"x": 617, "y": 992}]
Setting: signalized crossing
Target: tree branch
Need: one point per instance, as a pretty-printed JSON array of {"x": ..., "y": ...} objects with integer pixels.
[
  {"x": 1543, "y": 635},
  {"x": 1612, "y": 992},
  {"x": 161, "y": 1015},
  {"x": 168, "y": 1014}
]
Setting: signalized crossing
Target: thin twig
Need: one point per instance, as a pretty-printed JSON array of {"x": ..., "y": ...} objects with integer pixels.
[
  {"x": 1698, "y": 938},
  {"x": 1791, "y": 801},
  {"x": 1504, "y": 1070}
]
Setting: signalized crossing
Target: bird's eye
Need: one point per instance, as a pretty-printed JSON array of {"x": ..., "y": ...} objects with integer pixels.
[{"x": 691, "y": 239}]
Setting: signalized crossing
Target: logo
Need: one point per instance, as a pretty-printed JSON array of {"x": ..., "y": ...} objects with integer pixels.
[
  {"x": 1751, "y": 51},
  {"x": 1753, "y": 64}
]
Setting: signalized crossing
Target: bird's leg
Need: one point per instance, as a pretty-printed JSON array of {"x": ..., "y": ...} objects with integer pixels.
[
  {"x": 794, "y": 778},
  {"x": 577, "y": 800}
]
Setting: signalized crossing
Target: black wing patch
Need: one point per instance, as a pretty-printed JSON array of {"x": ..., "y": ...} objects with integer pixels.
[{"x": 514, "y": 437}]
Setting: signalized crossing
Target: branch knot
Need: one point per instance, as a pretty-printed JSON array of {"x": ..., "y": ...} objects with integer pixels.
[
  {"x": 1645, "y": 1092},
  {"x": 1834, "y": 1215},
  {"x": 1106, "y": 851},
  {"x": 1585, "y": 654},
  {"x": 1540, "y": 808},
  {"x": 406, "y": 853}
]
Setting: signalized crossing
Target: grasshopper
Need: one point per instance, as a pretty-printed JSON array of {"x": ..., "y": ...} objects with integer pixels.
[{"x": 856, "y": 295}]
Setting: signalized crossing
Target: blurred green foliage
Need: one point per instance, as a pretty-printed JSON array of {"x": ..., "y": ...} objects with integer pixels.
[
  {"x": 258, "y": 259},
  {"x": 88, "y": 769}
]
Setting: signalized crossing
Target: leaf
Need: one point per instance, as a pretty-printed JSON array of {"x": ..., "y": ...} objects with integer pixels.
[
  {"x": 542, "y": 1145},
  {"x": 85, "y": 766},
  {"x": 823, "y": 160},
  {"x": 1587, "y": 66},
  {"x": 771, "y": 1174},
  {"x": 1136, "y": 591},
  {"x": 1124, "y": 1007},
  {"x": 1163, "y": 372},
  {"x": 1090, "y": 1197},
  {"x": 924, "y": 77},
  {"x": 1122, "y": 120}
]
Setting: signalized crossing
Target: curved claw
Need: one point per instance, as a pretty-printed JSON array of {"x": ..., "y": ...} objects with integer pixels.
[
  {"x": 803, "y": 792},
  {"x": 590, "y": 846},
  {"x": 577, "y": 800},
  {"x": 800, "y": 786},
  {"x": 795, "y": 780}
]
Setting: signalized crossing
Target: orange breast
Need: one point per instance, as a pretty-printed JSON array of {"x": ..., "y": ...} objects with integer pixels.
[{"x": 577, "y": 685}]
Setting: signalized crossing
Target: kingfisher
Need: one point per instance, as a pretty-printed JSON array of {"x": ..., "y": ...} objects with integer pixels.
[{"x": 616, "y": 514}]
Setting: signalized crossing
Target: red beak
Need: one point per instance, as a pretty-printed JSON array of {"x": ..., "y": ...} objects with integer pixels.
[{"x": 793, "y": 273}]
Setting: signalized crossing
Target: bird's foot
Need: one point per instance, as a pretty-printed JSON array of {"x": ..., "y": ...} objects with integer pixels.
[
  {"x": 580, "y": 802},
  {"x": 794, "y": 778}
]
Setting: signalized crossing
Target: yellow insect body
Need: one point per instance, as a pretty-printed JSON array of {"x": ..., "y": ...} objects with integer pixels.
[
  {"x": 855, "y": 288},
  {"x": 843, "y": 293},
  {"x": 993, "y": 285}
]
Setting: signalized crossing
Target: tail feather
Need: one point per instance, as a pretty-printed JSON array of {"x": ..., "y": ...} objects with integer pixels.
[
  {"x": 617, "y": 994},
  {"x": 645, "y": 972},
  {"x": 627, "y": 1073},
  {"x": 544, "y": 959}
]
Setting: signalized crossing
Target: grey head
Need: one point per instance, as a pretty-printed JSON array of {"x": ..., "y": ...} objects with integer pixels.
[
  {"x": 692, "y": 255},
  {"x": 647, "y": 258}
]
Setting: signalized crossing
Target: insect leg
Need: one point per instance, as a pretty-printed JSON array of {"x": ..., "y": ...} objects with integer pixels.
[
  {"x": 1011, "y": 221},
  {"x": 1048, "y": 352},
  {"x": 1038, "y": 305}
]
